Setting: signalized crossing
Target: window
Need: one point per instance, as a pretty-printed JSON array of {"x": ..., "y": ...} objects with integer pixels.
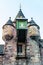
[
  {"x": 19, "y": 48},
  {"x": 21, "y": 34},
  {"x": 8, "y": 37},
  {"x": 33, "y": 37}
]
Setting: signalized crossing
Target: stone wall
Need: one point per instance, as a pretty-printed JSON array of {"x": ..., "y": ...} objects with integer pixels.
[
  {"x": 32, "y": 48},
  {"x": 42, "y": 56},
  {"x": 10, "y": 53},
  {"x": 1, "y": 60},
  {"x": 33, "y": 51}
]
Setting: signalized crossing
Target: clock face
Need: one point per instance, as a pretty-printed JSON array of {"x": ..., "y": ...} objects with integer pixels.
[{"x": 21, "y": 25}]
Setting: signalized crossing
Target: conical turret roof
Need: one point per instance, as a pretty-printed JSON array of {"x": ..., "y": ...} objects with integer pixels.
[
  {"x": 9, "y": 22},
  {"x": 33, "y": 23},
  {"x": 20, "y": 15}
]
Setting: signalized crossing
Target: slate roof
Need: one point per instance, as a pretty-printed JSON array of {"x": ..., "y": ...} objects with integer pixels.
[
  {"x": 1, "y": 49},
  {"x": 9, "y": 22},
  {"x": 33, "y": 23},
  {"x": 41, "y": 42},
  {"x": 20, "y": 14}
]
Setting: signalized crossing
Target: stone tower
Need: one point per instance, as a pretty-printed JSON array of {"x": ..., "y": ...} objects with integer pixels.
[{"x": 23, "y": 44}]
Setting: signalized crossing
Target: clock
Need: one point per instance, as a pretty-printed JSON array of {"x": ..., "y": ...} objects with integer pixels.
[{"x": 21, "y": 25}]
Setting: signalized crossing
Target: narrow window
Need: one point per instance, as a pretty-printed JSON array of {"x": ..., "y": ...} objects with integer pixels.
[{"x": 19, "y": 48}]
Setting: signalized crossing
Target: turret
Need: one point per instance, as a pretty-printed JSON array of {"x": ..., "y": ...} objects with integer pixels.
[
  {"x": 8, "y": 30},
  {"x": 33, "y": 29}
]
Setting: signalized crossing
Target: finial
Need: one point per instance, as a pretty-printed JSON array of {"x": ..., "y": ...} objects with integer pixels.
[
  {"x": 9, "y": 18},
  {"x": 31, "y": 18},
  {"x": 20, "y": 6}
]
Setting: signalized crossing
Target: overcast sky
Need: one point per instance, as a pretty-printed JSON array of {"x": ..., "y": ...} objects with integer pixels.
[{"x": 30, "y": 8}]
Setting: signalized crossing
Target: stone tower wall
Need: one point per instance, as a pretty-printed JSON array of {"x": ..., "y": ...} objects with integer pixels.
[
  {"x": 33, "y": 52},
  {"x": 10, "y": 53},
  {"x": 32, "y": 48},
  {"x": 42, "y": 56}
]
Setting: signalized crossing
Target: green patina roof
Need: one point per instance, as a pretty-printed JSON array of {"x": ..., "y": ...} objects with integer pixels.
[{"x": 1, "y": 49}]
